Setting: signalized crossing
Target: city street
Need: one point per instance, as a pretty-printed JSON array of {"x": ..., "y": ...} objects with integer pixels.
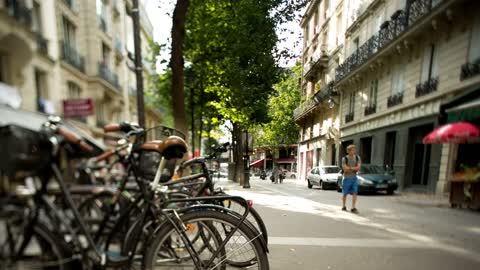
[{"x": 308, "y": 230}]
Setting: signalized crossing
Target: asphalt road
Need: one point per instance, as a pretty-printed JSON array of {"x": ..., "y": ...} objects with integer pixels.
[{"x": 308, "y": 230}]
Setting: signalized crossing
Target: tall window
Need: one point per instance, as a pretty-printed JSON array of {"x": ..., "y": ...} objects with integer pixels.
[
  {"x": 74, "y": 91},
  {"x": 69, "y": 33},
  {"x": 315, "y": 21},
  {"x": 429, "y": 68},
  {"x": 102, "y": 14},
  {"x": 36, "y": 18},
  {"x": 41, "y": 90},
  {"x": 326, "y": 8},
  {"x": 372, "y": 98},
  {"x": 307, "y": 34},
  {"x": 105, "y": 54},
  {"x": 356, "y": 44},
  {"x": 351, "y": 104},
  {"x": 474, "y": 50},
  {"x": 100, "y": 113},
  {"x": 339, "y": 29},
  {"x": 398, "y": 78}
]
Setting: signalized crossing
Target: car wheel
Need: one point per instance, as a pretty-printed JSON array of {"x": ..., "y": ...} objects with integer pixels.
[
  {"x": 390, "y": 191},
  {"x": 293, "y": 176},
  {"x": 339, "y": 189},
  {"x": 309, "y": 185}
]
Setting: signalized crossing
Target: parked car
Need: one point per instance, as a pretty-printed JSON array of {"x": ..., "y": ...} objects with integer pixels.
[
  {"x": 373, "y": 178},
  {"x": 324, "y": 176},
  {"x": 289, "y": 174}
]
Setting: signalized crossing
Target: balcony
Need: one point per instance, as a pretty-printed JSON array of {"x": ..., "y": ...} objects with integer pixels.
[
  {"x": 42, "y": 44},
  {"x": 325, "y": 93},
  {"x": 317, "y": 61},
  {"x": 71, "y": 56},
  {"x": 305, "y": 107},
  {"x": 370, "y": 109},
  {"x": 389, "y": 31},
  {"x": 470, "y": 70},
  {"x": 19, "y": 12},
  {"x": 426, "y": 87},
  {"x": 102, "y": 23},
  {"x": 395, "y": 100},
  {"x": 349, "y": 117},
  {"x": 105, "y": 73}
]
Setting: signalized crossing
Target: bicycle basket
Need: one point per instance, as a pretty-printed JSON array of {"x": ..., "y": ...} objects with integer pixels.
[
  {"x": 23, "y": 151},
  {"x": 148, "y": 163}
]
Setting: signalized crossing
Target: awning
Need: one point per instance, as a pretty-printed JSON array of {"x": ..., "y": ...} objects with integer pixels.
[
  {"x": 285, "y": 160},
  {"x": 459, "y": 132},
  {"x": 464, "y": 107},
  {"x": 257, "y": 163}
]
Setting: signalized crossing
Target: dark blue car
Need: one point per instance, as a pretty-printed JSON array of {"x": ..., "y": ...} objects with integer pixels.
[{"x": 373, "y": 178}]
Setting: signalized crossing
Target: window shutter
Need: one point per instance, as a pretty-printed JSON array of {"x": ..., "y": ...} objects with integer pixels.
[{"x": 434, "y": 59}]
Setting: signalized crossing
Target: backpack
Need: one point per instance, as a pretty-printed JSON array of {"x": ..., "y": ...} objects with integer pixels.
[{"x": 346, "y": 160}]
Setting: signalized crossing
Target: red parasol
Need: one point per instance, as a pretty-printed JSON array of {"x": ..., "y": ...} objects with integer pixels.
[{"x": 458, "y": 132}]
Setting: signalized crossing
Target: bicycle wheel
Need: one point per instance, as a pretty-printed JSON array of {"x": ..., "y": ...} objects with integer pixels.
[
  {"x": 164, "y": 253},
  {"x": 45, "y": 250}
]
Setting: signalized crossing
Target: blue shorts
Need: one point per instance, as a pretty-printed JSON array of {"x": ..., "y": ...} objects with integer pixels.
[{"x": 350, "y": 185}]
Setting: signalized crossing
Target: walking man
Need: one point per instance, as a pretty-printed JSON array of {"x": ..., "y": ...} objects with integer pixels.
[{"x": 351, "y": 164}]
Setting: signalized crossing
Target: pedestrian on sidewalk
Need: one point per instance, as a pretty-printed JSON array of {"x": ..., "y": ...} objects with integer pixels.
[
  {"x": 351, "y": 164},
  {"x": 275, "y": 173}
]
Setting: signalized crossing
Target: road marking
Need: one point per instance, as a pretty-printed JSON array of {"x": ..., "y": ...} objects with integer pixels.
[{"x": 346, "y": 242}]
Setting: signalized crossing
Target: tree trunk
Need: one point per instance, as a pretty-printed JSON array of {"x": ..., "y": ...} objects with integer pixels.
[
  {"x": 176, "y": 63},
  {"x": 238, "y": 154}
]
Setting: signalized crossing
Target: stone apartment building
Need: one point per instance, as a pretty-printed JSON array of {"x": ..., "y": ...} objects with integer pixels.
[
  {"x": 404, "y": 61},
  {"x": 58, "y": 50},
  {"x": 324, "y": 25}
]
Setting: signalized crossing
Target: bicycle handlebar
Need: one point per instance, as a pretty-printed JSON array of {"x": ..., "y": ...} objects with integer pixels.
[{"x": 74, "y": 139}]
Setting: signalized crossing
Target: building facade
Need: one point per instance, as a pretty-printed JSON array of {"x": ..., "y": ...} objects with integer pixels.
[
  {"x": 403, "y": 61},
  {"x": 61, "y": 50},
  {"x": 318, "y": 115}
]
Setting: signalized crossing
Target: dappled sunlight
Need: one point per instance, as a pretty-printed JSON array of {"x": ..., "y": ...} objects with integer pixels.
[{"x": 306, "y": 206}]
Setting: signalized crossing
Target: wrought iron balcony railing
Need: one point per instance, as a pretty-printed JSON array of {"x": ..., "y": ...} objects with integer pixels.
[
  {"x": 390, "y": 30},
  {"x": 71, "y": 56},
  {"x": 395, "y": 99},
  {"x": 470, "y": 70},
  {"x": 19, "y": 12},
  {"x": 426, "y": 87},
  {"x": 105, "y": 73},
  {"x": 42, "y": 44},
  {"x": 325, "y": 93},
  {"x": 349, "y": 117},
  {"x": 304, "y": 107},
  {"x": 370, "y": 109}
]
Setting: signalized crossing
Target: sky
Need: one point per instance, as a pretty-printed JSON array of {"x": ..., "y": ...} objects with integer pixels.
[{"x": 159, "y": 12}]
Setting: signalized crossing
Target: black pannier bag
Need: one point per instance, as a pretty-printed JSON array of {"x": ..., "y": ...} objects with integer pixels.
[{"x": 23, "y": 151}]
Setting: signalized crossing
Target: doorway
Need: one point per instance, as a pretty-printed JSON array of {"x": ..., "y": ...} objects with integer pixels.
[
  {"x": 334, "y": 154},
  {"x": 419, "y": 155},
  {"x": 318, "y": 155},
  {"x": 389, "y": 157},
  {"x": 366, "y": 149}
]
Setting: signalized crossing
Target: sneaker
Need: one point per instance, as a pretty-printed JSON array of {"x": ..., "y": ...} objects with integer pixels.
[
  {"x": 344, "y": 208},
  {"x": 354, "y": 210}
]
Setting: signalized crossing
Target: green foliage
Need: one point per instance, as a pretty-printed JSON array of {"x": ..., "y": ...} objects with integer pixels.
[{"x": 282, "y": 128}]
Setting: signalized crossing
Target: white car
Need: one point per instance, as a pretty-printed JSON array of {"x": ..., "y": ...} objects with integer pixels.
[{"x": 324, "y": 176}]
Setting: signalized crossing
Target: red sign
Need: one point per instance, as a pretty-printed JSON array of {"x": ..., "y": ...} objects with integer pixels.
[{"x": 77, "y": 107}]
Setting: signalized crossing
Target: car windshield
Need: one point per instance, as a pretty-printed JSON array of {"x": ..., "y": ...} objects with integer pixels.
[
  {"x": 372, "y": 169},
  {"x": 331, "y": 169}
]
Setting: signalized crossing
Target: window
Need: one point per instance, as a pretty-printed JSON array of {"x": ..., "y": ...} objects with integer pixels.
[
  {"x": 372, "y": 101},
  {"x": 69, "y": 33},
  {"x": 326, "y": 8},
  {"x": 351, "y": 105},
  {"x": 307, "y": 30},
  {"x": 100, "y": 113},
  {"x": 339, "y": 29},
  {"x": 41, "y": 91},
  {"x": 429, "y": 68},
  {"x": 356, "y": 44},
  {"x": 474, "y": 50},
  {"x": 398, "y": 77},
  {"x": 105, "y": 54},
  {"x": 74, "y": 91},
  {"x": 37, "y": 18},
  {"x": 102, "y": 14},
  {"x": 315, "y": 21}
]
